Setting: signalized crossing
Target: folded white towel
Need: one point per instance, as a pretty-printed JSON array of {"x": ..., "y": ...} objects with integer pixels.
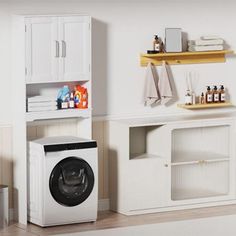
[
  {"x": 42, "y": 99},
  {"x": 164, "y": 85},
  {"x": 151, "y": 94},
  {"x": 41, "y": 104},
  {"x": 210, "y": 37},
  {"x": 206, "y": 48},
  {"x": 202, "y": 42},
  {"x": 38, "y": 109}
]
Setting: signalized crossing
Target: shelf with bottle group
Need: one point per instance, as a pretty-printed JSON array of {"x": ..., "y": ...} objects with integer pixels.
[
  {"x": 205, "y": 105},
  {"x": 58, "y": 114},
  {"x": 179, "y": 58}
]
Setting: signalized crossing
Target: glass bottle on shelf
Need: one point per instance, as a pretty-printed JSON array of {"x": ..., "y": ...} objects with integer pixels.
[
  {"x": 216, "y": 95},
  {"x": 71, "y": 102},
  {"x": 209, "y": 97},
  {"x": 222, "y": 93}
]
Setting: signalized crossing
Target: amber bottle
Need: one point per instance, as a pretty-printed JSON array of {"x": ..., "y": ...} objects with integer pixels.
[
  {"x": 208, "y": 96},
  {"x": 216, "y": 95}
]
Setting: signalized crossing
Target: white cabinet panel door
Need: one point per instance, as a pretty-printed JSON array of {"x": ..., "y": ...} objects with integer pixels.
[
  {"x": 74, "y": 37},
  {"x": 149, "y": 183},
  {"x": 42, "y": 49}
]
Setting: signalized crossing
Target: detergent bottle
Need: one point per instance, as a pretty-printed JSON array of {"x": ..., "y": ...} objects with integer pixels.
[{"x": 81, "y": 97}]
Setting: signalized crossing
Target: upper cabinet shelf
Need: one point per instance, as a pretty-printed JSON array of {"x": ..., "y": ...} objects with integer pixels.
[{"x": 184, "y": 57}]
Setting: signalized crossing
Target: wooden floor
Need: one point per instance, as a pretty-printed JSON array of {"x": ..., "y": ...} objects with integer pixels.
[{"x": 112, "y": 220}]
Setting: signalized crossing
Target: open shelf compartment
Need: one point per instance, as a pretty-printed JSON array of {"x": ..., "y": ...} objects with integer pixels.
[
  {"x": 144, "y": 142},
  {"x": 200, "y": 143},
  {"x": 51, "y": 90}
]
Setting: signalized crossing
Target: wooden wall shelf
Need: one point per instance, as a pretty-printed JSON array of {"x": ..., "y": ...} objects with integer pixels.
[
  {"x": 184, "y": 57},
  {"x": 202, "y": 106}
]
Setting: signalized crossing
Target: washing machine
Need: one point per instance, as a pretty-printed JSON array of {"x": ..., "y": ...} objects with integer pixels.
[{"x": 62, "y": 181}]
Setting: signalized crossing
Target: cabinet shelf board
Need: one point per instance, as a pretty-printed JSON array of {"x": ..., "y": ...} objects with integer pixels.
[
  {"x": 57, "y": 81},
  {"x": 180, "y": 158},
  {"x": 59, "y": 114},
  {"x": 204, "y": 106},
  {"x": 184, "y": 57},
  {"x": 200, "y": 162},
  {"x": 139, "y": 156}
]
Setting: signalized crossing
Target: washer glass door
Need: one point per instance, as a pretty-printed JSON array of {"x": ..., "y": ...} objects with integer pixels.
[{"x": 71, "y": 181}]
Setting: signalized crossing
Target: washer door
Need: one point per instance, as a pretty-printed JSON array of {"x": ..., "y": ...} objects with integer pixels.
[{"x": 71, "y": 181}]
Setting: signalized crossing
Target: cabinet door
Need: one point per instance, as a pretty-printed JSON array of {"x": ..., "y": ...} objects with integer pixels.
[
  {"x": 148, "y": 183},
  {"x": 203, "y": 161},
  {"x": 42, "y": 49},
  {"x": 74, "y": 36}
]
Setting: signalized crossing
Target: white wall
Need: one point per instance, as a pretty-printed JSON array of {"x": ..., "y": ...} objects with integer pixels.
[{"x": 122, "y": 30}]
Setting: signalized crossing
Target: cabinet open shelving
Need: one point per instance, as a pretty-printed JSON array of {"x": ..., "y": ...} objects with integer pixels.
[
  {"x": 58, "y": 114},
  {"x": 140, "y": 142},
  {"x": 185, "y": 57}
]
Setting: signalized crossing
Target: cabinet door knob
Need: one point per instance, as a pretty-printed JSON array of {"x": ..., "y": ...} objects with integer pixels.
[{"x": 166, "y": 165}]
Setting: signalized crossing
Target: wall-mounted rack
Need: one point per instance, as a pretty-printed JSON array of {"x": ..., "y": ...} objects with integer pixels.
[{"x": 185, "y": 57}]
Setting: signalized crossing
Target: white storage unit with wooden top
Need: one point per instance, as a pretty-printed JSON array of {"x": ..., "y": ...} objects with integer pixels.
[{"x": 160, "y": 165}]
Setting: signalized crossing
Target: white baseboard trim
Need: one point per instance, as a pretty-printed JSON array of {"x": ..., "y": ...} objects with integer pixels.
[{"x": 103, "y": 204}]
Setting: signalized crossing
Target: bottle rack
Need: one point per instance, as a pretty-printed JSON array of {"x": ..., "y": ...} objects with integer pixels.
[{"x": 205, "y": 105}]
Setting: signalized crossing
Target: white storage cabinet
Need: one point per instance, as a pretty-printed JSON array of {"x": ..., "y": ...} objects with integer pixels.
[
  {"x": 57, "y": 49},
  {"x": 167, "y": 165},
  {"x": 47, "y": 53}
]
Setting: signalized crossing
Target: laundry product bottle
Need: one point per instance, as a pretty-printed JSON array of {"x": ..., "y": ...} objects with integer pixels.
[
  {"x": 216, "y": 94},
  {"x": 157, "y": 44},
  {"x": 202, "y": 99},
  {"x": 222, "y": 93},
  {"x": 71, "y": 102},
  {"x": 193, "y": 98},
  {"x": 209, "y": 95},
  {"x": 188, "y": 98}
]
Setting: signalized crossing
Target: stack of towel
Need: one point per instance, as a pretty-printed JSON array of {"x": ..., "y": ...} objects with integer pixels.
[
  {"x": 41, "y": 103},
  {"x": 206, "y": 43}
]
